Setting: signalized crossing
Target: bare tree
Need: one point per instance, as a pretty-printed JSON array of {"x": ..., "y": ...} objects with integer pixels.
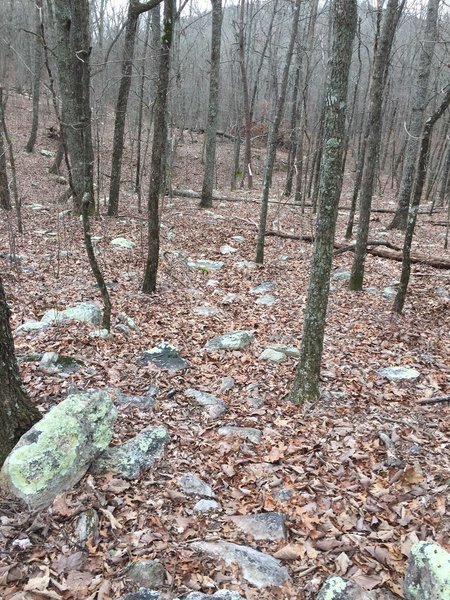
[
  {"x": 306, "y": 384},
  {"x": 36, "y": 77},
  {"x": 246, "y": 98},
  {"x": 213, "y": 106}
]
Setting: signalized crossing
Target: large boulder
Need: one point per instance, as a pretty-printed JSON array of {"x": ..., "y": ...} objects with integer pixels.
[
  {"x": 55, "y": 454},
  {"x": 134, "y": 456},
  {"x": 86, "y": 312},
  {"x": 428, "y": 573},
  {"x": 259, "y": 569}
]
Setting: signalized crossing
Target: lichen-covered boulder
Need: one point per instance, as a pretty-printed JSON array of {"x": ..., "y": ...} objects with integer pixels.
[
  {"x": 134, "y": 456},
  {"x": 86, "y": 312},
  {"x": 147, "y": 573},
  {"x": 235, "y": 340},
  {"x": 428, "y": 573},
  {"x": 55, "y": 454},
  {"x": 338, "y": 588}
]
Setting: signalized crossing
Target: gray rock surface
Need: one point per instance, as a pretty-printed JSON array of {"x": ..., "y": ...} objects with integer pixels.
[
  {"x": 54, "y": 362},
  {"x": 215, "y": 407},
  {"x": 31, "y": 326},
  {"x": 263, "y": 288},
  {"x": 190, "y": 484},
  {"x": 227, "y": 384},
  {"x": 273, "y": 356},
  {"x": 227, "y": 249},
  {"x": 287, "y": 349},
  {"x": 164, "y": 356},
  {"x": 234, "y": 340},
  {"x": 142, "y": 594},
  {"x": 86, "y": 312},
  {"x": 259, "y": 569},
  {"x": 56, "y": 452},
  {"x": 389, "y": 293},
  {"x": 147, "y": 573},
  {"x": 247, "y": 433},
  {"x": 87, "y": 525},
  {"x": 266, "y": 300},
  {"x": 229, "y": 298},
  {"x": 204, "y": 264},
  {"x": 246, "y": 264},
  {"x": 428, "y": 573},
  {"x": 337, "y": 588},
  {"x": 134, "y": 456},
  {"x": 204, "y": 506},
  {"x": 147, "y": 400},
  {"x": 220, "y": 595},
  {"x": 264, "y": 526},
  {"x": 341, "y": 275},
  {"x": 399, "y": 373},
  {"x": 206, "y": 311},
  {"x": 122, "y": 242}
]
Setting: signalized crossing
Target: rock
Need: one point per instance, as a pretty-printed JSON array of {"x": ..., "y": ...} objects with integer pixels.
[
  {"x": 283, "y": 495},
  {"x": 31, "y": 326},
  {"x": 37, "y": 206},
  {"x": 442, "y": 293},
  {"x": 164, "y": 356},
  {"x": 427, "y": 573},
  {"x": 227, "y": 384},
  {"x": 193, "y": 486},
  {"x": 226, "y": 249},
  {"x": 399, "y": 373},
  {"x": 262, "y": 288},
  {"x": 147, "y": 400},
  {"x": 254, "y": 399},
  {"x": 122, "y": 242},
  {"x": 142, "y": 594},
  {"x": 215, "y": 407},
  {"x": 148, "y": 573},
  {"x": 235, "y": 340},
  {"x": 123, "y": 329},
  {"x": 248, "y": 433},
  {"x": 259, "y": 569},
  {"x": 46, "y": 153},
  {"x": 86, "y": 312},
  {"x": 87, "y": 526},
  {"x": 56, "y": 452},
  {"x": 246, "y": 264},
  {"x": 29, "y": 357},
  {"x": 229, "y": 298},
  {"x": 389, "y": 293},
  {"x": 128, "y": 321},
  {"x": 286, "y": 349},
  {"x": 206, "y": 311},
  {"x": 220, "y": 595},
  {"x": 266, "y": 300},
  {"x": 341, "y": 275},
  {"x": 52, "y": 361},
  {"x": 238, "y": 238},
  {"x": 337, "y": 588},
  {"x": 212, "y": 283},
  {"x": 48, "y": 360},
  {"x": 206, "y": 265},
  {"x": 264, "y": 526},
  {"x": 272, "y": 356},
  {"x": 134, "y": 456},
  {"x": 102, "y": 334},
  {"x": 206, "y": 505}
]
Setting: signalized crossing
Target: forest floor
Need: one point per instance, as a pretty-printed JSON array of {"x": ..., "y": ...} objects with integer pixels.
[{"x": 350, "y": 513}]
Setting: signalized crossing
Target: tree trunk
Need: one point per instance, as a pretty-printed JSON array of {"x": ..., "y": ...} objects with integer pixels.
[
  {"x": 415, "y": 202},
  {"x": 417, "y": 116},
  {"x": 17, "y": 412},
  {"x": 272, "y": 141},
  {"x": 306, "y": 384},
  {"x": 36, "y": 78},
  {"x": 159, "y": 141},
  {"x": 5, "y": 195},
  {"x": 378, "y": 81},
  {"x": 246, "y": 101},
  {"x": 213, "y": 106}
]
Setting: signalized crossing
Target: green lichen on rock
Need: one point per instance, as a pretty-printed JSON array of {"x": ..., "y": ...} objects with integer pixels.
[
  {"x": 428, "y": 573},
  {"x": 332, "y": 587},
  {"x": 55, "y": 454}
]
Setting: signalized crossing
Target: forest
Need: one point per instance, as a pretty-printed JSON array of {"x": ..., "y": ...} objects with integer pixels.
[{"x": 224, "y": 299}]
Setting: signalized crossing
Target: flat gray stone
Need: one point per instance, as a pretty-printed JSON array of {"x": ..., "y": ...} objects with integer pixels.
[
  {"x": 266, "y": 300},
  {"x": 235, "y": 340},
  {"x": 272, "y": 356},
  {"x": 246, "y": 264},
  {"x": 247, "y": 433},
  {"x": 127, "y": 320},
  {"x": 102, "y": 334},
  {"x": 87, "y": 525},
  {"x": 283, "y": 495},
  {"x": 238, "y": 238},
  {"x": 54, "y": 362},
  {"x": 206, "y": 311},
  {"x": 341, "y": 275},
  {"x": 134, "y": 456},
  {"x": 262, "y": 288},
  {"x": 220, "y": 595},
  {"x": 287, "y": 349},
  {"x": 204, "y": 506},
  {"x": 389, "y": 293},
  {"x": 264, "y": 526},
  {"x": 428, "y": 573},
  {"x": 259, "y": 569},
  {"x": 142, "y": 594},
  {"x": 206, "y": 265},
  {"x": 215, "y": 407},
  {"x": 229, "y": 298},
  {"x": 147, "y": 573},
  {"x": 85, "y": 312},
  {"x": 338, "y": 588},
  {"x": 399, "y": 373},
  {"x": 147, "y": 400},
  {"x": 31, "y": 326},
  {"x": 57, "y": 451},
  {"x": 227, "y": 384},
  {"x": 122, "y": 242},
  {"x": 190, "y": 484},
  {"x": 227, "y": 249},
  {"x": 164, "y": 356}
]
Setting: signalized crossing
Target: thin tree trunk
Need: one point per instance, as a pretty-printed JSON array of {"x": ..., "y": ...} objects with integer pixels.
[
  {"x": 213, "y": 106},
  {"x": 417, "y": 116},
  {"x": 379, "y": 73},
  {"x": 273, "y": 136},
  {"x": 5, "y": 195},
  {"x": 246, "y": 102},
  {"x": 36, "y": 77},
  {"x": 159, "y": 142},
  {"x": 12, "y": 162},
  {"x": 17, "y": 412},
  {"x": 306, "y": 384},
  {"x": 415, "y": 202},
  {"x": 137, "y": 184}
]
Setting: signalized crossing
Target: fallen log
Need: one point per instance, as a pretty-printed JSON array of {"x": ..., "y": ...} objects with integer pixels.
[
  {"x": 372, "y": 248},
  {"x": 435, "y": 400}
]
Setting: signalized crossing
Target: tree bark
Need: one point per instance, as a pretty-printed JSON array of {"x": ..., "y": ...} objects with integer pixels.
[
  {"x": 37, "y": 67},
  {"x": 17, "y": 412},
  {"x": 306, "y": 383},
  {"x": 213, "y": 106},
  {"x": 246, "y": 100},
  {"x": 159, "y": 141},
  {"x": 374, "y": 128},
  {"x": 417, "y": 116}
]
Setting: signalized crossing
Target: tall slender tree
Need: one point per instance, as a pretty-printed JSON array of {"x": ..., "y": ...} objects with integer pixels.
[
  {"x": 306, "y": 384},
  {"x": 37, "y": 67}
]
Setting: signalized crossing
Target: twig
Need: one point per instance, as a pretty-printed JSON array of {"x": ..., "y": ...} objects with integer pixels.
[{"x": 435, "y": 400}]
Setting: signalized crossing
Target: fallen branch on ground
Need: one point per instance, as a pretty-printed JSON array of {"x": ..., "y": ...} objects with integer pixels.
[{"x": 435, "y": 400}]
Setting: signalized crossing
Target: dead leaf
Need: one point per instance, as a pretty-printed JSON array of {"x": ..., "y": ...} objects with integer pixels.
[{"x": 290, "y": 552}]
